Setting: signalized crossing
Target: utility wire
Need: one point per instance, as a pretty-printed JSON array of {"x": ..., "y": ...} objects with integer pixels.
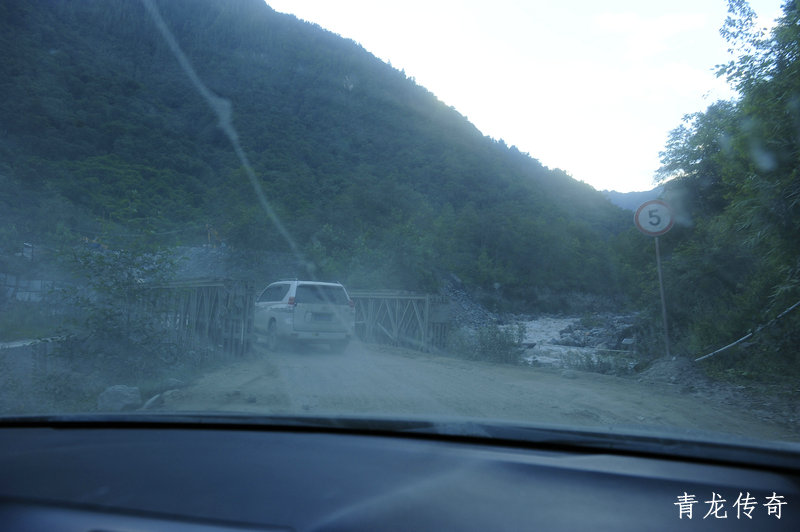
[{"x": 748, "y": 335}]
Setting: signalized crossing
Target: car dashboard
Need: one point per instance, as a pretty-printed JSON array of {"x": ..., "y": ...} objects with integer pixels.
[{"x": 123, "y": 475}]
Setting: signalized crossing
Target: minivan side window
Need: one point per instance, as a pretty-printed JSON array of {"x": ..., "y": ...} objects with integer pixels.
[{"x": 274, "y": 293}]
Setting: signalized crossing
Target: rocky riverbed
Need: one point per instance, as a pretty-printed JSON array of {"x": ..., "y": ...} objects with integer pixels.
[{"x": 603, "y": 343}]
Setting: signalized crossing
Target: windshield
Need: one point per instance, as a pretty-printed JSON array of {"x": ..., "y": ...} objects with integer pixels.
[
  {"x": 309, "y": 293},
  {"x": 587, "y": 218}
]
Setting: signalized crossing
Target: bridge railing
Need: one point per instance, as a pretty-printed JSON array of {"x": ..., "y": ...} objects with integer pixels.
[
  {"x": 215, "y": 311},
  {"x": 417, "y": 321}
]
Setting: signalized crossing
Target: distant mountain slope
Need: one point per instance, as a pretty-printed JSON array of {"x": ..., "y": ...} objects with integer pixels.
[
  {"x": 379, "y": 182},
  {"x": 630, "y": 201}
]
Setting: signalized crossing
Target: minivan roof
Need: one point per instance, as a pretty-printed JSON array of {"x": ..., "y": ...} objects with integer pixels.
[{"x": 282, "y": 281}]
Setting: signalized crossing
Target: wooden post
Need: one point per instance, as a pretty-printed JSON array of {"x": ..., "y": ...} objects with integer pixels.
[
  {"x": 663, "y": 299},
  {"x": 427, "y": 323}
]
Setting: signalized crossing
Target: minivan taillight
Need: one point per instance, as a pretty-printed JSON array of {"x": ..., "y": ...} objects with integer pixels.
[
  {"x": 291, "y": 301},
  {"x": 351, "y": 303}
]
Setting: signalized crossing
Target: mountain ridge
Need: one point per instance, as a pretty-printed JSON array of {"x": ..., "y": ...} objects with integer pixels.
[
  {"x": 630, "y": 201},
  {"x": 378, "y": 181}
]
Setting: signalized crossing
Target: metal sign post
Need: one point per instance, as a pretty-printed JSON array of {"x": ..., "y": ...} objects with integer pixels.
[
  {"x": 654, "y": 218},
  {"x": 663, "y": 299}
]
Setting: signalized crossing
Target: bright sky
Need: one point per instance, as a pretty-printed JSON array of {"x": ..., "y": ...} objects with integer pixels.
[{"x": 591, "y": 87}]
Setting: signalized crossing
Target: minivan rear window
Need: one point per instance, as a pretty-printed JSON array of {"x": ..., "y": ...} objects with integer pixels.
[{"x": 310, "y": 293}]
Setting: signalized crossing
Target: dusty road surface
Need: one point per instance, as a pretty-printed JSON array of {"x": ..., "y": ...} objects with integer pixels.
[{"x": 383, "y": 381}]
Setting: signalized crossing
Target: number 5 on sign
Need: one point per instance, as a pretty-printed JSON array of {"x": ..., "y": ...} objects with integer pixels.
[{"x": 653, "y": 218}]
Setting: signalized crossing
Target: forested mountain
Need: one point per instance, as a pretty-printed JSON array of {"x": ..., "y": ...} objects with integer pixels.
[
  {"x": 380, "y": 184},
  {"x": 732, "y": 176}
]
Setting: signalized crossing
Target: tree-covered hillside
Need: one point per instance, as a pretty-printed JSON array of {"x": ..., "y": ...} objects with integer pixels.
[
  {"x": 733, "y": 263},
  {"x": 380, "y": 184}
]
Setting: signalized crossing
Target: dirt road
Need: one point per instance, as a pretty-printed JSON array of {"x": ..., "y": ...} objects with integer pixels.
[{"x": 373, "y": 380}]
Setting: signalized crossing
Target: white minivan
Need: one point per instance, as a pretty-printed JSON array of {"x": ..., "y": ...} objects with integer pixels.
[{"x": 305, "y": 311}]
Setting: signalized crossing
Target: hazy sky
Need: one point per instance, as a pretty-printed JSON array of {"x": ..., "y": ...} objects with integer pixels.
[{"x": 592, "y": 87}]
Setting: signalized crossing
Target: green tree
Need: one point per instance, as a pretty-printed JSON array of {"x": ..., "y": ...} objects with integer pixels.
[{"x": 733, "y": 262}]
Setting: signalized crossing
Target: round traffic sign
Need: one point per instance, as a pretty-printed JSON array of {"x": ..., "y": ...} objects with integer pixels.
[{"x": 653, "y": 218}]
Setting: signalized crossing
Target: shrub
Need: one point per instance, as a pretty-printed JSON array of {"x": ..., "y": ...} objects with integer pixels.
[{"x": 491, "y": 343}]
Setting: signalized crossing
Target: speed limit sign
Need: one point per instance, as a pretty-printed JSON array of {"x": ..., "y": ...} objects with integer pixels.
[{"x": 653, "y": 218}]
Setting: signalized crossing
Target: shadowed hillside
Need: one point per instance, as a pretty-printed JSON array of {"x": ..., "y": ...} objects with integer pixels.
[{"x": 380, "y": 184}]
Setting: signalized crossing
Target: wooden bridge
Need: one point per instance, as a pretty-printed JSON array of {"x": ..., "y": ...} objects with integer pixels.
[
  {"x": 418, "y": 321},
  {"x": 220, "y": 312},
  {"x": 216, "y": 312}
]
